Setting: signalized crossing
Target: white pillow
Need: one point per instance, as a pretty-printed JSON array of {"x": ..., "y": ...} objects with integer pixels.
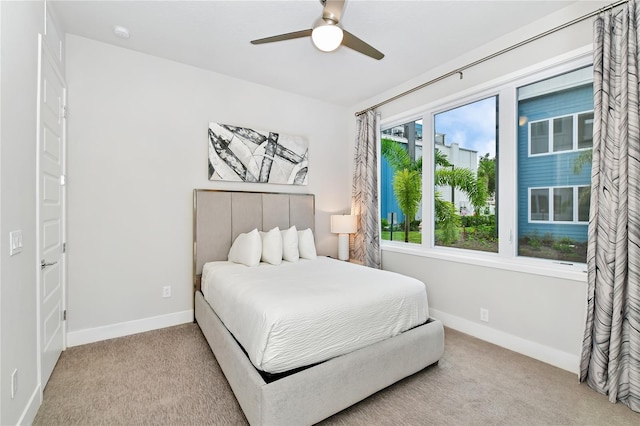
[
  {"x": 246, "y": 249},
  {"x": 306, "y": 244},
  {"x": 272, "y": 246},
  {"x": 290, "y": 244}
]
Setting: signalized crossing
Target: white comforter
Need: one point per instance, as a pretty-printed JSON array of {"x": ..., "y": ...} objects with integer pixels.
[{"x": 301, "y": 313}]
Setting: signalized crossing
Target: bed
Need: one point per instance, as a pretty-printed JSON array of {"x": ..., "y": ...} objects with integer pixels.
[{"x": 283, "y": 392}]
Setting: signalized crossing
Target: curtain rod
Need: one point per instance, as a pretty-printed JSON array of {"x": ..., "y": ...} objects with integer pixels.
[{"x": 458, "y": 71}]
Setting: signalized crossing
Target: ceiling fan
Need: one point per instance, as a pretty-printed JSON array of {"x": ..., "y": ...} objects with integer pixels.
[{"x": 326, "y": 34}]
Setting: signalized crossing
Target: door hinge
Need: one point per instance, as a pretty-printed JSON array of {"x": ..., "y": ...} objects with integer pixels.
[
  {"x": 63, "y": 180},
  {"x": 64, "y": 315},
  {"x": 64, "y": 247},
  {"x": 65, "y": 111}
]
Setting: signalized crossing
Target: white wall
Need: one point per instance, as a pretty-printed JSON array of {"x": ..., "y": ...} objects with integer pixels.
[
  {"x": 20, "y": 24},
  {"x": 137, "y": 147},
  {"x": 537, "y": 315}
]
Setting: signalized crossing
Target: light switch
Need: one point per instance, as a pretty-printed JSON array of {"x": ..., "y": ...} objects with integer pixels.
[{"x": 15, "y": 242}]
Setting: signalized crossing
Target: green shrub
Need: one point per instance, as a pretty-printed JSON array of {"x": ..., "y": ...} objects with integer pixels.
[{"x": 564, "y": 245}]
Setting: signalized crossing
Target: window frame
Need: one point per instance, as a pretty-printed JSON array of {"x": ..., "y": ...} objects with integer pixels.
[
  {"x": 575, "y": 199},
  {"x": 505, "y": 88},
  {"x": 550, "y": 140}
]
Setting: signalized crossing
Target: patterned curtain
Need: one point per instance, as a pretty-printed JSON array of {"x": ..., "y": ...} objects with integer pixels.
[
  {"x": 611, "y": 346},
  {"x": 364, "y": 204}
]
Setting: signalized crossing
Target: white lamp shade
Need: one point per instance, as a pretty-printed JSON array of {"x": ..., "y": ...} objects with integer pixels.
[
  {"x": 344, "y": 224},
  {"x": 327, "y": 37}
]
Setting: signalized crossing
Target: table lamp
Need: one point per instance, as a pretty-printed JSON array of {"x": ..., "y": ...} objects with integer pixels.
[{"x": 343, "y": 225}]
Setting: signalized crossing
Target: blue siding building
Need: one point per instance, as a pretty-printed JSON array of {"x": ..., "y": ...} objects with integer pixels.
[
  {"x": 388, "y": 202},
  {"x": 555, "y": 130}
]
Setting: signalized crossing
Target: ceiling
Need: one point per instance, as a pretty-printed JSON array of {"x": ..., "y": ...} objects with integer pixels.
[{"x": 415, "y": 36}]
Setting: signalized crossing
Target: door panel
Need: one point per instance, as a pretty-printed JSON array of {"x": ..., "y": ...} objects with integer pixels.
[{"x": 50, "y": 211}]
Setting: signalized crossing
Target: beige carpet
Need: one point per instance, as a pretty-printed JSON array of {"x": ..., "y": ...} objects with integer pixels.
[{"x": 170, "y": 377}]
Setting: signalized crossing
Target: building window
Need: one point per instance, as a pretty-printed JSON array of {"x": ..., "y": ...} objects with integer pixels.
[
  {"x": 555, "y": 117},
  {"x": 557, "y": 134},
  {"x": 569, "y": 204},
  {"x": 585, "y": 130}
]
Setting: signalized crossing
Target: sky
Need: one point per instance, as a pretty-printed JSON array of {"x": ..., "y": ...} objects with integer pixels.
[{"x": 472, "y": 126}]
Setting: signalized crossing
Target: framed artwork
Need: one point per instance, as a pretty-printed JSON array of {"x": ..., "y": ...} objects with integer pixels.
[{"x": 240, "y": 154}]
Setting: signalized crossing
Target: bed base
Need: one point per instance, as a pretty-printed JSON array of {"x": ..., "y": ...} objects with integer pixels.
[{"x": 318, "y": 392}]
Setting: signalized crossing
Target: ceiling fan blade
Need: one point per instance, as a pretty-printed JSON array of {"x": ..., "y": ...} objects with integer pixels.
[
  {"x": 282, "y": 37},
  {"x": 355, "y": 43},
  {"x": 332, "y": 9}
]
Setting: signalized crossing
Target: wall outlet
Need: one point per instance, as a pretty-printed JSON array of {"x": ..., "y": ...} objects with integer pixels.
[
  {"x": 14, "y": 383},
  {"x": 166, "y": 291},
  {"x": 484, "y": 315}
]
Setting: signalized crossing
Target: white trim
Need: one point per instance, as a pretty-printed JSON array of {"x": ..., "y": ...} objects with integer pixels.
[
  {"x": 563, "y": 63},
  {"x": 551, "y": 196},
  {"x": 505, "y": 88},
  {"x": 30, "y": 411},
  {"x": 546, "y": 354},
  {"x": 90, "y": 335},
  {"x": 551, "y": 133},
  {"x": 526, "y": 265}
]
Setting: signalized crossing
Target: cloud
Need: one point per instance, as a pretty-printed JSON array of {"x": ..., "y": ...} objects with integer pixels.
[{"x": 472, "y": 126}]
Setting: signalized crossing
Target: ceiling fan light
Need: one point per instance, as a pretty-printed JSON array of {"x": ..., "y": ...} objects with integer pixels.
[{"x": 327, "y": 37}]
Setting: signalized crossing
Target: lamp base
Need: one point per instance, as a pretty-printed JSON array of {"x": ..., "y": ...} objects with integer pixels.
[{"x": 343, "y": 246}]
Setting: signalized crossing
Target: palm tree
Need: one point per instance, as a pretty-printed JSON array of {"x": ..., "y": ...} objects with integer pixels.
[
  {"x": 408, "y": 177},
  {"x": 407, "y": 185},
  {"x": 407, "y": 180},
  {"x": 398, "y": 157},
  {"x": 466, "y": 181},
  {"x": 582, "y": 160}
]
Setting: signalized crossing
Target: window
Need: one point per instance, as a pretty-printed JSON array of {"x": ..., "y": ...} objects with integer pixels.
[
  {"x": 556, "y": 119},
  {"x": 401, "y": 179},
  {"x": 465, "y": 176},
  {"x": 521, "y": 148},
  {"x": 556, "y": 134},
  {"x": 539, "y": 206},
  {"x": 539, "y": 137},
  {"x": 585, "y": 130},
  {"x": 564, "y": 199}
]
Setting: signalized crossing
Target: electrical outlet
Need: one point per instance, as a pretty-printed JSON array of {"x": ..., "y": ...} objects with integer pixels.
[
  {"x": 484, "y": 315},
  {"x": 166, "y": 291},
  {"x": 14, "y": 383}
]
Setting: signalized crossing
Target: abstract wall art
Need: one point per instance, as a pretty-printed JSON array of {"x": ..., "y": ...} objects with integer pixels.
[{"x": 245, "y": 155}]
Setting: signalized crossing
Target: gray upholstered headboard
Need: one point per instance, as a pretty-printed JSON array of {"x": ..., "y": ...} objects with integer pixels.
[{"x": 220, "y": 216}]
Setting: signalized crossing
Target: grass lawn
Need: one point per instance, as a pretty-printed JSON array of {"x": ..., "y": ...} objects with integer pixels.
[{"x": 414, "y": 236}]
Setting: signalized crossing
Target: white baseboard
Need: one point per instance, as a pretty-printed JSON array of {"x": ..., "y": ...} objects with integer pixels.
[
  {"x": 30, "y": 411},
  {"x": 543, "y": 353},
  {"x": 90, "y": 335}
]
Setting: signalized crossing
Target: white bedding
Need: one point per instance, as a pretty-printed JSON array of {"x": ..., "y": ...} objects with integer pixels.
[{"x": 301, "y": 313}]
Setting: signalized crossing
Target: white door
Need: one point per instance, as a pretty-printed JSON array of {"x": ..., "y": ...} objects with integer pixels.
[{"x": 50, "y": 215}]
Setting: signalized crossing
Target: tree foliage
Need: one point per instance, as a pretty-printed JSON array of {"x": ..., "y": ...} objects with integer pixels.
[
  {"x": 407, "y": 185},
  {"x": 448, "y": 220},
  {"x": 398, "y": 157},
  {"x": 582, "y": 160},
  {"x": 466, "y": 181},
  {"x": 487, "y": 172}
]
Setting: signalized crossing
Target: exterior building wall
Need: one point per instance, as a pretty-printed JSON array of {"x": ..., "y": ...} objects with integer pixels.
[{"x": 553, "y": 169}]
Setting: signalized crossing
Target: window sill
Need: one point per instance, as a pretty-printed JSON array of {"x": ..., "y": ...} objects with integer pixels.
[{"x": 544, "y": 267}]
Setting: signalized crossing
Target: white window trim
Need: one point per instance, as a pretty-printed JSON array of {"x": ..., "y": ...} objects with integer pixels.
[
  {"x": 504, "y": 87},
  {"x": 550, "y": 189},
  {"x": 550, "y": 120}
]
